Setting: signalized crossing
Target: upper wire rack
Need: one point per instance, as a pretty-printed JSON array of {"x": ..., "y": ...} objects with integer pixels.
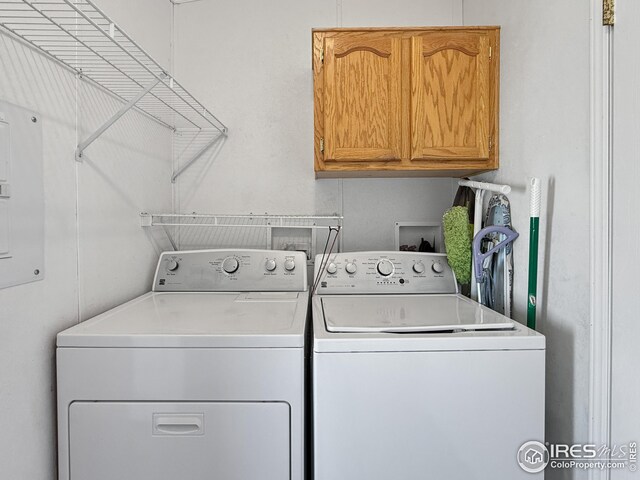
[
  {"x": 80, "y": 36},
  {"x": 243, "y": 221}
]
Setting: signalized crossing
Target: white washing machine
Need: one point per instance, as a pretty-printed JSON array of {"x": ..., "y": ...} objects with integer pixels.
[
  {"x": 413, "y": 381},
  {"x": 201, "y": 378}
]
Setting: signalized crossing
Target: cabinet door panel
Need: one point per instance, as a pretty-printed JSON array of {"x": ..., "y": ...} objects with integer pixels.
[
  {"x": 450, "y": 95},
  {"x": 362, "y": 97}
]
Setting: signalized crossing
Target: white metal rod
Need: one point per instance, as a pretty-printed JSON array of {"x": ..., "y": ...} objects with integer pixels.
[
  {"x": 492, "y": 187},
  {"x": 477, "y": 226},
  {"x": 166, "y": 232},
  {"x": 82, "y": 146},
  {"x": 190, "y": 162}
]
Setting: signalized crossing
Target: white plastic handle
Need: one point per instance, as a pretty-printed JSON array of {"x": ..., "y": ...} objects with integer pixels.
[
  {"x": 534, "y": 208},
  {"x": 178, "y": 424}
]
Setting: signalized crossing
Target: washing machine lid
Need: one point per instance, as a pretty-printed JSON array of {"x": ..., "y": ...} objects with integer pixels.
[
  {"x": 197, "y": 320},
  {"x": 408, "y": 314},
  {"x": 414, "y": 323}
]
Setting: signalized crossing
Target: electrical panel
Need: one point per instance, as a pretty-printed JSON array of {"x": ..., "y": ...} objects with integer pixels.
[{"x": 21, "y": 196}]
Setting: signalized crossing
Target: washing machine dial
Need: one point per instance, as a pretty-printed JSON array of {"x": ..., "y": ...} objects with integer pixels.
[
  {"x": 289, "y": 265},
  {"x": 351, "y": 268},
  {"x": 332, "y": 268},
  {"x": 270, "y": 265},
  {"x": 437, "y": 267},
  {"x": 230, "y": 265},
  {"x": 172, "y": 266},
  {"x": 418, "y": 267},
  {"x": 385, "y": 267}
]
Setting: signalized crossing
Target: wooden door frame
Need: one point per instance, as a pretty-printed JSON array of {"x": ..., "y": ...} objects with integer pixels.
[{"x": 601, "y": 46}]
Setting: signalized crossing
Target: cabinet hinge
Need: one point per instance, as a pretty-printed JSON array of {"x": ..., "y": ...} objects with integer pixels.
[
  {"x": 490, "y": 142},
  {"x": 322, "y": 145},
  {"x": 322, "y": 56},
  {"x": 608, "y": 12},
  {"x": 490, "y": 52}
]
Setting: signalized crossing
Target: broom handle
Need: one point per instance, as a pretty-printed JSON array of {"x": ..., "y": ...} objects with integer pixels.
[{"x": 534, "y": 223}]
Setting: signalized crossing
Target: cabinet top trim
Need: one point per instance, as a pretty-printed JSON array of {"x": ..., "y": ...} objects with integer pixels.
[{"x": 405, "y": 29}]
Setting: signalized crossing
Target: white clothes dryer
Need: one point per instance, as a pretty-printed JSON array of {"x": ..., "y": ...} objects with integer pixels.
[{"x": 201, "y": 378}]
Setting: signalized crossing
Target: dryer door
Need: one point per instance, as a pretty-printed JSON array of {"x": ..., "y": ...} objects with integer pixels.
[{"x": 169, "y": 441}]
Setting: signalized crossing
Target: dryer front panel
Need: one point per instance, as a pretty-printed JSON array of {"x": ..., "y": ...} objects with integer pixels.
[{"x": 169, "y": 441}]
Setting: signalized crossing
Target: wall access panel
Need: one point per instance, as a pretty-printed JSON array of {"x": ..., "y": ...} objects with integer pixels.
[{"x": 21, "y": 196}]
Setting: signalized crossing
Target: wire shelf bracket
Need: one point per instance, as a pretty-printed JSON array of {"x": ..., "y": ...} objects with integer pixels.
[
  {"x": 132, "y": 103},
  {"x": 82, "y": 38},
  {"x": 195, "y": 158}
]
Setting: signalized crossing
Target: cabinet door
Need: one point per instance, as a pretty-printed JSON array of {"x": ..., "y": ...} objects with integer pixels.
[
  {"x": 450, "y": 96},
  {"x": 362, "y": 111}
]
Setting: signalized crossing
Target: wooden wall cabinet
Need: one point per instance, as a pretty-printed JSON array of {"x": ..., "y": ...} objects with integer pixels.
[{"x": 406, "y": 101}]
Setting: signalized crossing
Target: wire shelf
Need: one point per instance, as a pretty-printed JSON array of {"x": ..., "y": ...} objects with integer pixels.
[
  {"x": 78, "y": 35},
  {"x": 245, "y": 221},
  {"x": 282, "y": 232}
]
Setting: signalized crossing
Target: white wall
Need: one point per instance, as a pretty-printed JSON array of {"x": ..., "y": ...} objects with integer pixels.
[
  {"x": 96, "y": 254},
  {"x": 545, "y": 133},
  {"x": 250, "y": 62},
  {"x": 625, "y": 393}
]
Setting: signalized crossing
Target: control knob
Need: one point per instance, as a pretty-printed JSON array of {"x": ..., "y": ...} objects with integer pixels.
[
  {"x": 289, "y": 264},
  {"x": 230, "y": 265},
  {"x": 351, "y": 268},
  {"x": 385, "y": 267},
  {"x": 270, "y": 265},
  {"x": 418, "y": 267},
  {"x": 172, "y": 265},
  {"x": 332, "y": 268},
  {"x": 437, "y": 267}
]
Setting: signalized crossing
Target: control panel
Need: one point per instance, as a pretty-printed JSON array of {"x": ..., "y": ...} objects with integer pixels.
[
  {"x": 231, "y": 271},
  {"x": 384, "y": 272}
]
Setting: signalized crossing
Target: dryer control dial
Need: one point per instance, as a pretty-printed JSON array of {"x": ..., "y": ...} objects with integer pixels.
[
  {"x": 351, "y": 268},
  {"x": 418, "y": 267},
  {"x": 230, "y": 265},
  {"x": 172, "y": 266},
  {"x": 332, "y": 268},
  {"x": 385, "y": 267},
  {"x": 270, "y": 265},
  {"x": 289, "y": 265}
]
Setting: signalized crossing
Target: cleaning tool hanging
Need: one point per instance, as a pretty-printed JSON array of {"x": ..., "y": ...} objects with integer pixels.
[
  {"x": 534, "y": 223},
  {"x": 497, "y": 287},
  {"x": 479, "y": 257},
  {"x": 457, "y": 242},
  {"x": 480, "y": 189}
]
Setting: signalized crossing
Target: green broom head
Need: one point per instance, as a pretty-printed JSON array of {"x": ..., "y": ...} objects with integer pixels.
[{"x": 457, "y": 242}]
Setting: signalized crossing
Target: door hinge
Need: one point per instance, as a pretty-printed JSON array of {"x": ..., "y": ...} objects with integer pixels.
[
  {"x": 322, "y": 145},
  {"x": 608, "y": 12}
]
